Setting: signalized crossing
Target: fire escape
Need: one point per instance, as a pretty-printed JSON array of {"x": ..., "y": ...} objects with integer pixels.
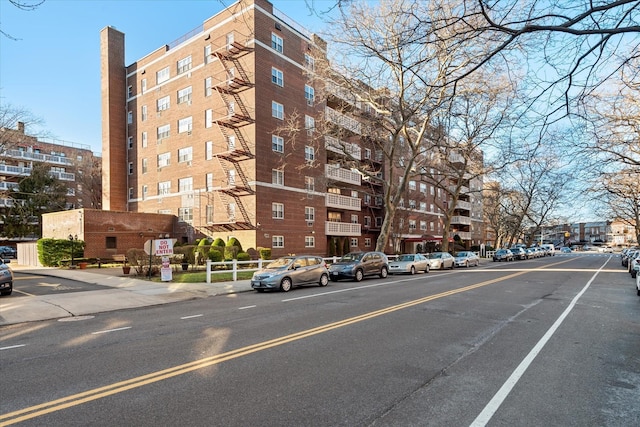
[{"x": 230, "y": 120}]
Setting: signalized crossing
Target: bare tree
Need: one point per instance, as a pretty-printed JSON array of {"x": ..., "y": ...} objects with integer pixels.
[
  {"x": 622, "y": 194},
  {"x": 22, "y": 5},
  {"x": 11, "y": 119}
]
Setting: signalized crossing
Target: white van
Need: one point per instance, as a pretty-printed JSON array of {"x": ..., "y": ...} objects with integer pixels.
[{"x": 549, "y": 249}]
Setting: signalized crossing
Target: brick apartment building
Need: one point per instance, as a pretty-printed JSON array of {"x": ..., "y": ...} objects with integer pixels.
[
  {"x": 194, "y": 130},
  {"x": 71, "y": 163}
]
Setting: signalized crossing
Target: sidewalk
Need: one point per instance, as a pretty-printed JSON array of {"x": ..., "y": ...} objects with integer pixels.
[{"x": 126, "y": 292}]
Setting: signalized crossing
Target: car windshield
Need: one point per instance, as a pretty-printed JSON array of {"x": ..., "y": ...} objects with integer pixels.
[
  {"x": 435, "y": 255},
  {"x": 463, "y": 254},
  {"x": 406, "y": 258},
  {"x": 352, "y": 257},
  {"x": 280, "y": 262}
]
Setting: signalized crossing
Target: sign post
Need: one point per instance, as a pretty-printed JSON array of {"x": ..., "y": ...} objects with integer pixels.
[{"x": 164, "y": 248}]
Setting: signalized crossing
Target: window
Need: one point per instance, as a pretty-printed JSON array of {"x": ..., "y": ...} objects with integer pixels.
[
  {"x": 164, "y": 188},
  {"x": 354, "y": 193},
  {"x": 208, "y": 150},
  {"x": 367, "y": 221},
  {"x": 145, "y": 166},
  {"x": 412, "y": 225},
  {"x": 309, "y": 242},
  {"x": 309, "y": 94},
  {"x": 231, "y": 143},
  {"x": 367, "y": 153},
  {"x": 164, "y": 159},
  {"x": 184, "y": 95},
  {"x": 111, "y": 242},
  {"x": 208, "y": 86},
  {"x": 163, "y": 103},
  {"x": 130, "y": 142},
  {"x": 277, "y": 176},
  {"x": 145, "y": 190},
  {"x": 129, "y": 91},
  {"x": 163, "y": 132},
  {"x": 185, "y": 154},
  {"x": 378, "y": 221},
  {"x": 276, "y": 43},
  {"x": 277, "y": 110},
  {"x": 367, "y": 242},
  {"x": 354, "y": 219},
  {"x": 412, "y": 204},
  {"x": 207, "y": 54},
  {"x": 144, "y": 139},
  {"x": 423, "y": 188},
  {"x": 367, "y": 199},
  {"x": 143, "y": 113},
  {"x": 185, "y": 125},
  {"x": 129, "y": 117},
  {"x": 309, "y": 62},
  {"x": 412, "y": 185},
  {"x": 185, "y": 214},
  {"x": 309, "y": 213},
  {"x": 277, "y": 210},
  {"x": 276, "y": 77},
  {"x": 130, "y": 168},
  {"x": 184, "y": 64},
  {"x": 423, "y": 225},
  {"x": 231, "y": 177},
  {"x": 431, "y": 226},
  {"x": 231, "y": 211},
  {"x": 143, "y": 84},
  {"x": 423, "y": 206},
  {"x": 208, "y": 118},
  {"x": 209, "y": 179},
  {"x": 277, "y": 242},
  {"x": 162, "y": 75},
  {"x": 309, "y": 183},
  {"x": 277, "y": 144},
  {"x": 309, "y": 153},
  {"x": 185, "y": 184},
  {"x": 309, "y": 124},
  {"x": 353, "y": 242}
]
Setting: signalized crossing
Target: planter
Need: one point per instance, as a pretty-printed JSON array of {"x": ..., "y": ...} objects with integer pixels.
[
  {"x": 185, "y": 266},
  {"x": 126, "y": 269},
  {"x": 82, "y": 265}
]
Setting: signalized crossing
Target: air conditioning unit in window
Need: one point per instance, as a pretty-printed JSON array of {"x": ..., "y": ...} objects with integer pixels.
[
  {"x": 310, "y": 102},
  {"x": 189, "y": 162},
  {"x": 309, "y": 223},
  {"x": 188, "y": 132}
]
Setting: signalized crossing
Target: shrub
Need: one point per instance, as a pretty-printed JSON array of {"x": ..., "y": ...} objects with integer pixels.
[
  {"x": 253, "y": 254},
  {"x": 52, "y": 252},
  {"x": 215, "y": 255},
  {"x": 139, "y": 260},
  {"x": 243, "y": 256},
  {"x": 219, "y": 243},
  {"x": 265, "y": 253},
  {"x": 235, "y": 242}
]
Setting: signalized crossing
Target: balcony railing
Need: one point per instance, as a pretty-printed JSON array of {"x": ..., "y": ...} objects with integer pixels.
[
  {"x": 342, "y": 120},
  {"x": 344, "y": 175},
  {"x": 342, "y": 202},
  {"x": 63, "y": 176},
  {"x": 14, "y": 170},
  {"x": 462, "y": 205},
  {"x": 342, "y": 229},
  {"x": 464, "y": 235},
  {"x": 464, "y": 220},
  {"x": 342, "y": 147},
  {"x": 39, "y": 157},
  {"x": 8, "y": 186}
]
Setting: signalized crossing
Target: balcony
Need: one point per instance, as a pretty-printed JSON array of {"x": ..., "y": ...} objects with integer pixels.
[
  {"x": 8, "y": 186},
  {"x": 343, "y": 175},
  {"x": 456, "y": 158},
  {"x": 462, "y": 205},
  {"x": 464, "y": 235},
  {"x": 14, "y": 170},
  {"x": 342, "y": 120},
  {"x": 342, "y": 229},
  {"x": 38, "y": 157},
  {"x": 342, "y": 147},
  {"x": 63, "y": 176},
  {"x": 340, "y": 92},
  {"x": 342, "y": 202},
  {"x": 464, "y": 220}
]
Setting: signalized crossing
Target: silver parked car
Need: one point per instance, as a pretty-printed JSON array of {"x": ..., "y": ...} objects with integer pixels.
[
  {"x": 409, "y": 263},
  {"x": 467, "y": 259},
  {"x": 6, "y": 278},
  {"x": 289, "y": 271},
  {"x": 441, "y": 260}
]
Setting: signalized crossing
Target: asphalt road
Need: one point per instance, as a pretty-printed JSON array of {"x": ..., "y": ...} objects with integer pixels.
[
  {"x": 546, "y": 342},
  {"x": 28, "y": 284}
]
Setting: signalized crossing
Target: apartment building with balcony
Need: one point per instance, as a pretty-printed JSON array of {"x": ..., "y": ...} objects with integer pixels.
[{"x": 66, "y": 161}]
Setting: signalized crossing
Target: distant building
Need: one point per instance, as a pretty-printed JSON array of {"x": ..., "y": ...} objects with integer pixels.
[{"x": 68, "y": 162}]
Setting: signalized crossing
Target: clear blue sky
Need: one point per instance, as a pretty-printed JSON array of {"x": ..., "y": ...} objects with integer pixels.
[{"x": 53, "y": 69}]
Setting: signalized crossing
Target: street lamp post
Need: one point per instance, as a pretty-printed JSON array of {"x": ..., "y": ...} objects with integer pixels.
[{"x": 71, "y": 239}]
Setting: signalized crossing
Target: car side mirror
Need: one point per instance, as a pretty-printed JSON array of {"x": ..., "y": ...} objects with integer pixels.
[{"x": 6, "y": 261}]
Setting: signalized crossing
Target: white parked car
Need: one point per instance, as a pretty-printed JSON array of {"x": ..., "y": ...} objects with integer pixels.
[
  {"x": 409, "y": 263},
  {"x": 441, "y": 260},
  {"x": 467, "y": 259}
]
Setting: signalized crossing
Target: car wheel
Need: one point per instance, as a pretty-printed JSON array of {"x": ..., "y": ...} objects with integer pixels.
[
  {"x": 7, "y": 292},
  {"x": 384, "y": 272},
  {"x": 324, "y": 280},
  {"x": 466, "y": 264},
  {"x": 285, "y": 285},
  {"x": 633, "y": 273},
  {"x": 413, "y": 270},
  {"x": 426, "y": 270},
  {"x": 359, "y": 275},
  {"x": 639, "y": 292},
  {"x": 453, "y": 264}
]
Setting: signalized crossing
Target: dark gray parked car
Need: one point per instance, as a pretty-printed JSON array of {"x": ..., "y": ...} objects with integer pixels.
[
  {"x": 503, "y": 255},
  {"x": 289, "y": 271},
  {"x": 357, "y": 265}
]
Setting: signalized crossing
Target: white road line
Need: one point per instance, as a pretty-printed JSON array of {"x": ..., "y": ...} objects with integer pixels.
[
  {"x": 485, "y": 416},
  {"x": 12, "y": 346},
  {"x": 191, "y": 317},
  {"x": 249, "y": 306},
  {"x": 111, "y": 330}
]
